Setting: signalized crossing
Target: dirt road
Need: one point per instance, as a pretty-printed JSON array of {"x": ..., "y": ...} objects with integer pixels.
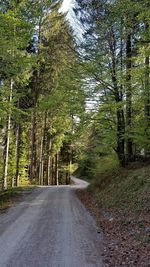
[{"x": 50, "y": 228}]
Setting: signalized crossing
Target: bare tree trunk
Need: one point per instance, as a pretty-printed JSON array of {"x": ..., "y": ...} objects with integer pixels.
[
  {"x": 42, "y": 156},
  {"x": 48, "y": 170},
  {"x": 67, "y": 177},
  {"x": 36, "y": 73},
  {"x": 68, "y": 167},
  {"x": 48, "y": 161},
  {"x": 33, "y": 146},
  {"x": 147, "y": 92},
  {"x": 70, "y": 162},
  {"x": 119, "y": 112},
  {"x": 7, "y": 142},
  {"x": 12, "y": 182},
  {"x": 40, "y": 164},
  {"x": 129, "y": 144},
  {"x": 120, "y": 137},
  {"x": 52, "y": 171},
  {"x": 41, "y": 178},
  {"x": 56, "y": 170},
  {"x": 18, "y": 135}
]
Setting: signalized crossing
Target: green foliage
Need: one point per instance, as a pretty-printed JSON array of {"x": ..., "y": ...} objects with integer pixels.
[{"x": 115, "y": 54}]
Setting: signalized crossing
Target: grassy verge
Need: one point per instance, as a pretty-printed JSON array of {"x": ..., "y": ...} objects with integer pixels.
[
  {"x": 9, "y": 197},
  {"x": 124, "y": 190},
  {"x": 120, "y": 201},
  {"x": 125, "y": 196}
]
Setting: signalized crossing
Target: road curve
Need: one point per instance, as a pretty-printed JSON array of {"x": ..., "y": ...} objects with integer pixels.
[{"x": 50, "y": 228}]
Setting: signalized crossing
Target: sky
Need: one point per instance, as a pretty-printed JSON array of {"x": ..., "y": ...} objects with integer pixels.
[{"x": 67, "y": 7}]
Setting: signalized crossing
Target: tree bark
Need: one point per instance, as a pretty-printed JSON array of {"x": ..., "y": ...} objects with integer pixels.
[
  {"x": 67, "y": 177},
  {"x": 147, "y": 92},
  {"x": 42, "y": 156},
  {"x": 129, "y": 144},
  {"x": 33, "y": 146},
  {"x": 18, "y": 136},
  {"x": 70, "y": 163},
  {"x": 7, "y": 142},
  {"x": 52, "y": 170},
  {"x": 56, "y": 169},
  {"x": 120, "y": 150},
  {"x": 120, "y": 111},
  {"x": 120, "y": 137},
  {"x": 48, "y": 161},
  {"x": 40, "y": 162}
]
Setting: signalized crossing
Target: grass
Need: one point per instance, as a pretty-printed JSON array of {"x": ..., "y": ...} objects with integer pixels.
[
  {"x": 127, "y": 190},
  {"x": 10, "y": 196},
  {"x": 124, "y": 195}
]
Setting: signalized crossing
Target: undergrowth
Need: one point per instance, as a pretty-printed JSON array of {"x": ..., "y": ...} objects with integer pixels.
[
  {"x": 124, "y": 189},
  {"x": 8, "y": 197}
]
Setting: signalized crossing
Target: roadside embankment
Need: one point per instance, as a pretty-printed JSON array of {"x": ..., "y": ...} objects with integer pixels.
[
  {"x": 9, "y": 197},
  {"x": 120, "y": 202}
]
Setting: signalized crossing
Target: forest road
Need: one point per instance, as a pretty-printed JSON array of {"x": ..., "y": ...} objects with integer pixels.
[{"x": 50, "y": 228}]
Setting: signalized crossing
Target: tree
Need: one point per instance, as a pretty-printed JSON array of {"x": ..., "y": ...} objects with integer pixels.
[
  {"x": 14, "y": 37},
  {"x": 111, "y": 48}
]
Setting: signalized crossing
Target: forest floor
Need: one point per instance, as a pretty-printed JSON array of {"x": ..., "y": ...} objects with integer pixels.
[{"x": 121, "y": 205}]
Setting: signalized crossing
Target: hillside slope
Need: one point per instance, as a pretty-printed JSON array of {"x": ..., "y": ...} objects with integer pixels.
[{"x": 120, "y": 201}]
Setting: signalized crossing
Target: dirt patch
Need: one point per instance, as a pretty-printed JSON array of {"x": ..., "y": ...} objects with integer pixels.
[{"x": 127, "y": 238}]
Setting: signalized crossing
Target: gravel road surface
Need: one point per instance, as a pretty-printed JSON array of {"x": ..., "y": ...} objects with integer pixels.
[{"x": 50, "y": 228}]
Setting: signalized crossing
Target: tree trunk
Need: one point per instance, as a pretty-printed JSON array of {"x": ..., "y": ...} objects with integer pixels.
[
  {"x": 52, "y": 171},
  {"x": 147, "y": 92},
  {"x": 48, "y": 162},
  {"x": 120, "y": 111},
  {"x": 33, "y": 146},
  {"x": 40, "y": 164},
  {"x": 48, "y": 171},
  {"x": 70, "y": 163},
  {"x": 42, "y": 172},
  {"x": 7, "y": 141},
  {"x": 42, "y": 156},
  {"x": 56, "y": 170},
  {"x": 120, "y": 137},
  {"x": 129, "y": 144},
  {"x": 67, "y": 177},
  {"x": 18, "y": 136},
  {"x": 119, "y": 114}
]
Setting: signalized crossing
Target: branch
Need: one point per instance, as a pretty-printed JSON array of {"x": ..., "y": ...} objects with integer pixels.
[{"x": 108, "y": 85}]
